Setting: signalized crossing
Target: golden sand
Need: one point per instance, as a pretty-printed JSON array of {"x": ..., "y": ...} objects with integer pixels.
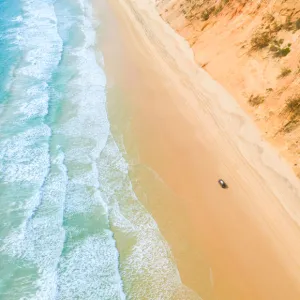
[{"x": 182, "y": 132}]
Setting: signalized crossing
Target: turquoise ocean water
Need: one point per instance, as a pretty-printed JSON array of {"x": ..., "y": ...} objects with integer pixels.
[{"x": 66, "y": 201}]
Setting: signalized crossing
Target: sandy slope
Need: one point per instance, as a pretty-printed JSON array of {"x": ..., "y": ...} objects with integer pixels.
[
  {"x": 223, "y": 46},
  {"x": 191, "y": 132}
]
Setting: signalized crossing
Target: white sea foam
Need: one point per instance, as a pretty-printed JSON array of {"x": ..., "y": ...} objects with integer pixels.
[
  {"x": 25, "y": 156},
  {"x": 40, "y": 40},
  {"x": 149, "y": 271},
  {"x": 89, "y": 271},
  {"x": 40, "y": 238},
  {"x": 83, "y": 188},
  {"x": 24, "y": 149},
  {"x": 89, "y": 264},
  {"x": 35, "y": 102},
  {"x": 42, "y": 48},
  {"x": 18, "y": 19}
]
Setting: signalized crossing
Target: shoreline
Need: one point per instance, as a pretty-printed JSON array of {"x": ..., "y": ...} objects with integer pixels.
[{"x": 188, "y": 115}]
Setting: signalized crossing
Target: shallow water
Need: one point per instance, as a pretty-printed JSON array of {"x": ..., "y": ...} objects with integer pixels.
[{"x": 71, "y": 225}]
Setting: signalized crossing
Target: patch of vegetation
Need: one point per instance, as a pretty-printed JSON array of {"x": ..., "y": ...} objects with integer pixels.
[
  {"x": 279, "y": 50},
  {"x": 204, "y": 26},
  {"x": 256, "y": 100},
  {"x": 261, "y": 40},
  {"x": 290, "y": 125},
  {"x": 276, "y": 27},
  {"x": 282, "y": 52},
  {"x": 292, "y": 108},
  {"x": 288, "y": 25},
  {"x": 285, "y": 72},
  {"x": 205, "y": 15},
  {"x": 192, "y": 10},
  {"x": 220, "y": 7},
  {"x": 269, "y": 17},
  {"x": 278, "y": 42}
]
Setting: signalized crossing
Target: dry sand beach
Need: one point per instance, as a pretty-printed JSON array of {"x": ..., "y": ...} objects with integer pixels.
[{"x": 182, "y": 132}]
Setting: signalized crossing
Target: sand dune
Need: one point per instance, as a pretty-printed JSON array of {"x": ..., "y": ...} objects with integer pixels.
[{"x": 223, "y": 36}]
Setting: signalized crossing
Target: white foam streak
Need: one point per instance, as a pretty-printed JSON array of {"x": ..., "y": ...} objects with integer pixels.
[
  {"x": 149, "y": 271},
  {"x": 22, "y": 160},
  {"x": 90, "y": 267}
]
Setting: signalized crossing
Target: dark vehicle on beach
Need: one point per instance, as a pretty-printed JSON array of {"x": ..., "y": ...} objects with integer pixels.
[{"x": 223, "y": 184}]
